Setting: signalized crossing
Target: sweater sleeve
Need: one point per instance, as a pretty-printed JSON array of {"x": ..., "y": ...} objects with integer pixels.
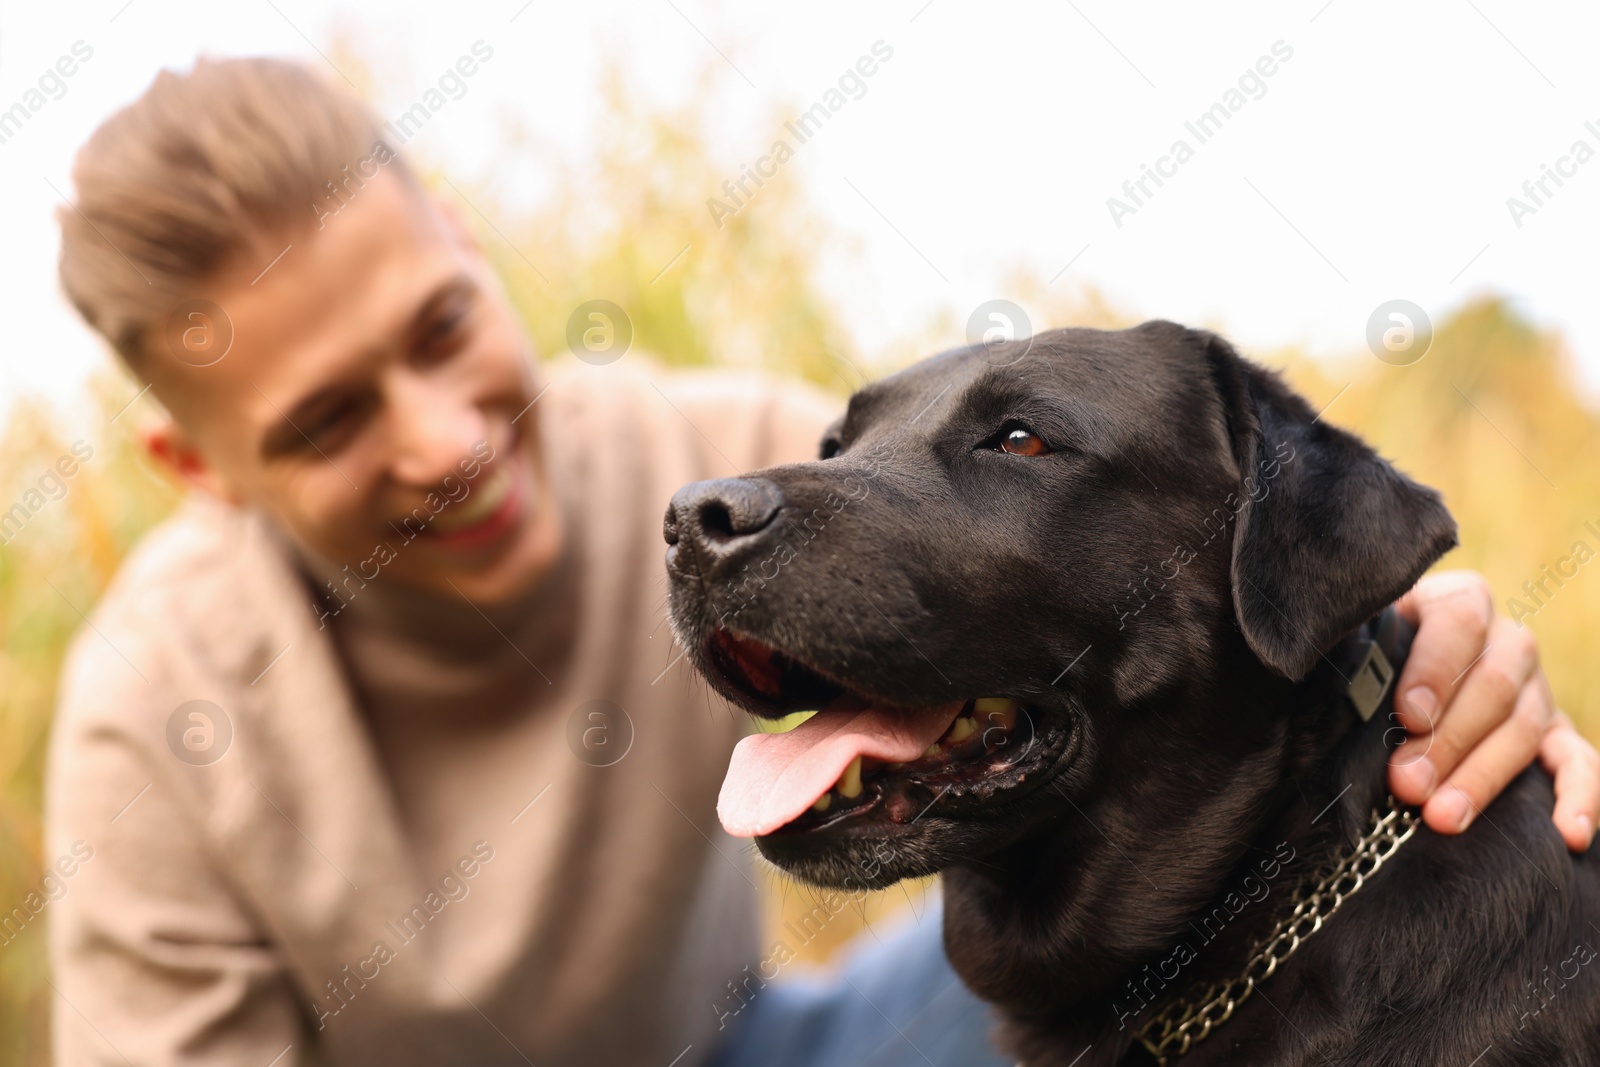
[
  {"x": 156, "y": 960},
  {"x": 748, "y": 421}
]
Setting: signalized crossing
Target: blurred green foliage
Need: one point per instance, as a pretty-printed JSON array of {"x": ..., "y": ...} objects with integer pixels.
[{"x": 1489, "y": 416}]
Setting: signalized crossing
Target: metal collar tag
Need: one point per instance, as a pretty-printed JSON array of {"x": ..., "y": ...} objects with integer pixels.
[{"x": 1373, "y": 676}]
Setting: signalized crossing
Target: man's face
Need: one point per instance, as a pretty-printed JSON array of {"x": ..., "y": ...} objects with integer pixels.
[{"x": 377, "y": 401}]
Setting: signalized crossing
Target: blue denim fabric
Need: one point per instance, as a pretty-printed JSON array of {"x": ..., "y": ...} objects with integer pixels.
[{"x": 894, "y": 1002}]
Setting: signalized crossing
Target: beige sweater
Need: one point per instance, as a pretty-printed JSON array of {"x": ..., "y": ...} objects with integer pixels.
[{"x": 400, "y": 858}]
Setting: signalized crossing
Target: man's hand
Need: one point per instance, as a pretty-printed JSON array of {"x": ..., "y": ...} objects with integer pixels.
[{"x": 1477, "y": 708}]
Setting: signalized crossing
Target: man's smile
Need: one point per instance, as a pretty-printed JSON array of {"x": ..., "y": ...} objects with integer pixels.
[{"x": 490, "y": 511}]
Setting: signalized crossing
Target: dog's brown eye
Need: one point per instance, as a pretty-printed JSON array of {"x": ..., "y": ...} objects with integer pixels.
[{"x": 1023, "y": 442}]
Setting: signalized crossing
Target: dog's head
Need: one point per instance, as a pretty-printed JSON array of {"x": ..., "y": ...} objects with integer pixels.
[{"x": 1001, "y": 557}]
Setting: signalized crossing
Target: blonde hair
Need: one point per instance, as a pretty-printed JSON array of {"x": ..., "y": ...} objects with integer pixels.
[{"x": 202, "y": 170}]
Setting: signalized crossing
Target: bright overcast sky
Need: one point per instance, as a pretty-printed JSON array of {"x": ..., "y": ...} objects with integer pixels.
[{"x": 1374, "y": 163}]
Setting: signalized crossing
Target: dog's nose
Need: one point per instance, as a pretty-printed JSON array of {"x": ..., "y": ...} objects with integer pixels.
[{"x": 716, "y": 516}]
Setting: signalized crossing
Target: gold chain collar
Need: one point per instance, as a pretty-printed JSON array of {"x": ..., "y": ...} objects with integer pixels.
[{"x": 1178, "y": 1027}]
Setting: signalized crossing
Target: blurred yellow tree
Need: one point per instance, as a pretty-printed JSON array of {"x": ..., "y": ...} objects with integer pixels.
[{"x": 630, "y": 225}]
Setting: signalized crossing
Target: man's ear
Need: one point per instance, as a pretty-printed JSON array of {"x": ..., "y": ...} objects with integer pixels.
[
  {"x": 168, "y": 445},
  {"x": 1329, "y": 532}
]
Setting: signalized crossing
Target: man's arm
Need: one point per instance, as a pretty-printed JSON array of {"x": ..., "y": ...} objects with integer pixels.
[
  {"x": 155, "y": 960},
  {"x": 752, "y": 421}
]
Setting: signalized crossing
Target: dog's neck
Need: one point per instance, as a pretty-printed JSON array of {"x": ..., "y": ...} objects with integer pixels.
[{"x": 1082, "y": 931}]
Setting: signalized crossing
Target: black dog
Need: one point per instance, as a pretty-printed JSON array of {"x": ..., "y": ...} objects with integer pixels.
[{"x": 1078, "y": 613}]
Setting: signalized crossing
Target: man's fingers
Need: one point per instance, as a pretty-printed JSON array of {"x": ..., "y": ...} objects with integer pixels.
[
  {"x": 1576, "y": 767},
  {"x": 1495, "y": 714},
  {"x": 1452, "y": 612},
  {"x": 1494, "y": 706},
  {"x": 1478, "y": 708},
  {"x": 1487, "y": 769},
  {"x": 1412, "y": 776}
]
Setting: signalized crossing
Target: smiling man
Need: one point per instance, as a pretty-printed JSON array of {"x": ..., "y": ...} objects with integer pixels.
[{"x": 379, "y": 743}]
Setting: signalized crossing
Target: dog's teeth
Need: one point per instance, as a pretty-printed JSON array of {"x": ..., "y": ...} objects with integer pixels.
[
  {"x": 961, "y": 730},
  {"x": 822, "y": 802},
  {"x": 996, "y": 711},
  {"x": 850, "y": 781},
  {"x": 934, "y": 751}
]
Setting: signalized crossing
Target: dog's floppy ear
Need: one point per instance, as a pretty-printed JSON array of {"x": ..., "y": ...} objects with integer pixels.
[{"x": 1328, "y": 532}]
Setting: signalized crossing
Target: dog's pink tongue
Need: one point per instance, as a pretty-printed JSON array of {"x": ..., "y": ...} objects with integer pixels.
[{"x": 774, "y": 778}]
